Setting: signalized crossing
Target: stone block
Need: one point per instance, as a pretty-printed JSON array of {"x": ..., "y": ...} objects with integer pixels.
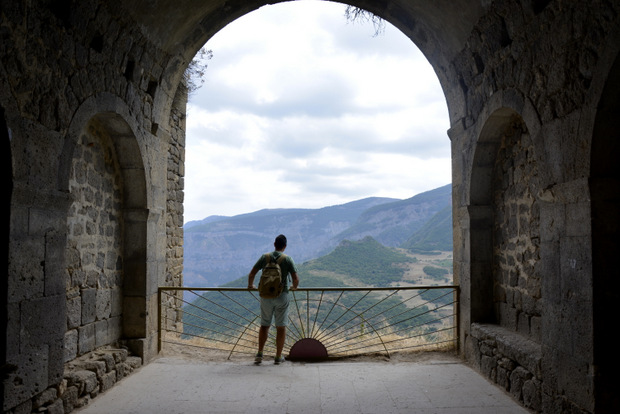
[
  {"x": 83, "y": 401},
  {"x": 115, "y": 328},
  {"x": 25, "y": 258},
  {"x": 108, "y": 359},
  {"x": 103, "y": 306},
  {"x": 74, "y": 312},
  {"x": 69, "y": 398},
  {"x": 502, "y": 378},
  {"x": 57, "y": 407},
  {"x": 89, "y": 305},
  {"x": 86, "y": 338},
  {"x": 43, "y": 321},
  {"x": 531, "y": 392},
  {"x": 45, "y": 398},
  {"x": 134, "y": 362},
  {"x": 107, "y": 381},
  {"x": 122, "y": 370},
  {"x": 120, "y": 355},
  {"x": 84, "y": 380},
  {"x": 488, "y": 367},
  {"x": 97, "y": 367},
  {"x": 116, "y": 302},
  {"x": 71, "y": 345},
  {"x": 30, "y": 376},
  {"x": 102, "y": 336}
]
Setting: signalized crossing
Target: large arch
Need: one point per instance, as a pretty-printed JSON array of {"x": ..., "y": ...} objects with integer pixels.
[{"x": 439, "y": 29}]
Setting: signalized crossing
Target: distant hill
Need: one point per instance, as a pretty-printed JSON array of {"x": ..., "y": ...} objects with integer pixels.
[
  {"x": 435, "y": 235},
  {"x": 392, "y": 224},
  {"x": 220, "y": 249}
]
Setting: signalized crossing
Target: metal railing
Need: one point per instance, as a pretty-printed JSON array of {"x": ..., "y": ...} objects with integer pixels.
[{"x": 322, "y": 322}]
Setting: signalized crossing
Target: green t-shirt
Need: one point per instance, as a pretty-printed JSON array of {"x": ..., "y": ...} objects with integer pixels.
[{"x": 287, "y": 266}]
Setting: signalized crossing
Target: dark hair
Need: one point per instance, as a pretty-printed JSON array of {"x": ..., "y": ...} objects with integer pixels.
[{"x": 280, "y": 241}]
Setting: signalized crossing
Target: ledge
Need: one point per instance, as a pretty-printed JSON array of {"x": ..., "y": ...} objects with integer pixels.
[{"x": 513, "y": 345}]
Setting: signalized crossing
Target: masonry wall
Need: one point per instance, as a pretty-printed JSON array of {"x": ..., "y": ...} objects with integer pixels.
[
  {"x": 540, "y": 252},
  {"x": 88, "y": 115}
]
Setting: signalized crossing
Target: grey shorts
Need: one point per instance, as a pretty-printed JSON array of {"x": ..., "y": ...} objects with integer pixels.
[{"x": 276, "y": 307}]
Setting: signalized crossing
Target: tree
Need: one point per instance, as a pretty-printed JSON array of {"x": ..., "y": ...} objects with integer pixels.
[
  {"x": 194, "y": 75},
  {"x": 357, "y": 14}
]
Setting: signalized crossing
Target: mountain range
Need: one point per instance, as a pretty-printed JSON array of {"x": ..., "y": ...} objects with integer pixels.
[{"x": 220, "y": 249}]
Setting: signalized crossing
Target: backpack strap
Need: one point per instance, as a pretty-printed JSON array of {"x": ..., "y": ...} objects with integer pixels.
[{"x": 281, "y": 258}]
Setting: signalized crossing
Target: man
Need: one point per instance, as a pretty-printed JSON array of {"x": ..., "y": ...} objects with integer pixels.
[{"x": 276, "y": 307}]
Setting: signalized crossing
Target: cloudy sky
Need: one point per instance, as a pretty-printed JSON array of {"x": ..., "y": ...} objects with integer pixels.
[{"x": 302, "y": 109}]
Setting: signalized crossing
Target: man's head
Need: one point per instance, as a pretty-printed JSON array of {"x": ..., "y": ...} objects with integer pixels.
[{"x": 280, "y": 242}]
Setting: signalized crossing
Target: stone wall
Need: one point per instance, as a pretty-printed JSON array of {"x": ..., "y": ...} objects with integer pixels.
[
  {"x": 84, "y": 379},
  {"x": 87, "y": 108},
  {"x": 525, "y": 245},
  {"x": 174, "y": 206}
]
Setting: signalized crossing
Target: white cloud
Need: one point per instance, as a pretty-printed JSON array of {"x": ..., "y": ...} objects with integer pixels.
[{"x": 299, "y": 100}]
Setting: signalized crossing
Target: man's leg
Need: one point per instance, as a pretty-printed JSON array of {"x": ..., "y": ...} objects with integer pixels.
[
  {"x": 266, "y": 312},
  {"x": 263, "y": 333},
  {"x": 280, "y": 338}
]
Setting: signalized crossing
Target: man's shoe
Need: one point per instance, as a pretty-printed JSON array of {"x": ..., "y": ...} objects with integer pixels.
[
  {"x": 258, "y": 358},
  {"x": 279, "y": 360}
]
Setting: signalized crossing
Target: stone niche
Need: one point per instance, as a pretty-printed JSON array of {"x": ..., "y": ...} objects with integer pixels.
[{"x": 94, "y": 276}]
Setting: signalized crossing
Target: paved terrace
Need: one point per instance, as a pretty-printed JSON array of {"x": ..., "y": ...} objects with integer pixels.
[{"x": 434, "y": 383}]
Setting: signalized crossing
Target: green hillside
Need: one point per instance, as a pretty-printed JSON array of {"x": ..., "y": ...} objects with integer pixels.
[
  {"x": 435, "y": 235},
  {"x": 367, "y": 261}
]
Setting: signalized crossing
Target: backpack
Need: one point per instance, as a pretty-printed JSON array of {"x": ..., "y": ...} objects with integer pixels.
[{"x": 271, "y": 282}]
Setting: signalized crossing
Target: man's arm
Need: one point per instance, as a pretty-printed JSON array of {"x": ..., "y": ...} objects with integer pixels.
[
  {"x": 295, "y": 280},
  {"x": 251, "y": 277}
]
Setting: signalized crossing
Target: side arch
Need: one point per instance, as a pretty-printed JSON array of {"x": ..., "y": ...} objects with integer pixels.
[
  {"x": 509, "y": 129},
  {"x": 107, "y": 116}
]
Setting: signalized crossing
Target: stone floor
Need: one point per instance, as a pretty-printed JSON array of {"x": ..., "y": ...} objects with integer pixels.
[{"x": 180, "y": 385}]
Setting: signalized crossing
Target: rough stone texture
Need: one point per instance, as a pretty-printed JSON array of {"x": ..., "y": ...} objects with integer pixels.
[
  {"x": 94, "y": 242},
  {"x": 84, "y": 378},
  {"x": 516, "y": 234},
  {"x": 93, "y": 120},
  {"x": 510, "y": 360}
]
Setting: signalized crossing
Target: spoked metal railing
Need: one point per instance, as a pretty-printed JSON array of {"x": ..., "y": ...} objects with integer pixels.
[{"x": 322, "y": 322}]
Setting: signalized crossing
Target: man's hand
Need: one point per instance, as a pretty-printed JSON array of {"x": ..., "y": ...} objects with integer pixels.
[{"x": 251, "y": 287}]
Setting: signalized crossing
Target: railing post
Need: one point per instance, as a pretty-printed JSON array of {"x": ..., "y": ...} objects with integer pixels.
[
  {"x": 457, "y": 321},
  {"x": 159, "y": 317}
]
